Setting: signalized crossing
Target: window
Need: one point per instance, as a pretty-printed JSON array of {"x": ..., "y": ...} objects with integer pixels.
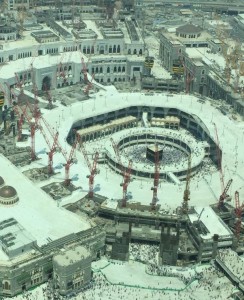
[{"x": 6, "y": 285}]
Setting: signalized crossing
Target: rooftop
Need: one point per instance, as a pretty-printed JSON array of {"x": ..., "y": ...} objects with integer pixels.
[
  {"x": 71, "y": 256},
  {"x": 189, "y": 28},
  {"x": 212, "y": 222},
  {"x": 45, "y": 219}
]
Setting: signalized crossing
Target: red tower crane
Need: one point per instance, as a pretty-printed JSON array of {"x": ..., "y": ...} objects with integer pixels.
[
  {"x": 20, "y": 120},
  {"x": 19, "y": 83},
  {"x": 156, "y": 178},
  {"x": 51, "y": 153},
  {"x": 116, "y": 150},
  {"x": 92, "y": 168},
  {"x": 125, "y": 173},
  {"x": 224, "y": 189},
  {"x": 219, "y": 159},
  {"x": 69, "y": 159},
  {"x": 238, "y": 212},
  {"x": 186, "y": 196},
  {"x": 52, "y": 148},
  {"x": 224, "y": 194},
  {"x": 126, "y": 182},
  {"x": 84, "y": 70},
  {"x": 89, "y": 85},
  {"x": 33, "y": 123}
]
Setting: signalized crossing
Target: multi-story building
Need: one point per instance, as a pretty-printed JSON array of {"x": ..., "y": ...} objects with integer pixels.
[
  {"x": 52, "y": 57},
  {"x": 72, "y": 269}
]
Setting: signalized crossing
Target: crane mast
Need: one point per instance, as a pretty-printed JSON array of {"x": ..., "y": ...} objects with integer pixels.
[
  {"x": 20, "y": 120},
  {"x": 68, "y": 159},
  {"x": 33, "y": 123},
  {"x": 156, "y": 178},
  {"x": 92, "y": 175},
  {"x": 89, "y": 85},
  {"x": 186, "y": 196},
  {"x": 19, "y": 83},
  {"x": 219, "y": 157},
  {"x": 50, "y": 155},
  {"x": 92, "y": 168},
  {"x": 223, "y": 196},
  {"x": 52, "y": 149},
  {"x": 84, "y": 70},
  {"x": 238, "y": 212},
  {"x": 116, "y": 150},
  {"x": 125, "y": 173},
  {"x": 126, "y": 182}
]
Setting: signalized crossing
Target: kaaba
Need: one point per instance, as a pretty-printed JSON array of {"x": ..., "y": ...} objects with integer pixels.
[{"x": 150, "y": 155}]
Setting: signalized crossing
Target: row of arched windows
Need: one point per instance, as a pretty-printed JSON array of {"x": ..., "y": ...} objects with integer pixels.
[
  {"x": 72, "y": 48},
  {"x": 24, "y": 54},
  {"x": 101, "y": 80},
  {"x": 65, "y": 68},
  {"x": 115, "y": 69},
  {"x": 25, "y": 76},
  {"x": 135, "y": 52},
  {"x": 52, "y": 50},
  {"x": 114, "y": 49},
  {"x": 88, "y": 50}
]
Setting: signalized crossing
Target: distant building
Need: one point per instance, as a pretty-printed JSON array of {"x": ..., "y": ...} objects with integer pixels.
[{"x": 72, "y": 269}]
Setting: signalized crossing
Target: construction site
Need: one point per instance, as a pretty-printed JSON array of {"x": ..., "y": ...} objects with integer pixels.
[{"x": 121, "y": 150}]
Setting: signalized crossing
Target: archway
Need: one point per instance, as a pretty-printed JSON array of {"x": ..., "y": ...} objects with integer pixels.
[{"x": 46, "y": 83}]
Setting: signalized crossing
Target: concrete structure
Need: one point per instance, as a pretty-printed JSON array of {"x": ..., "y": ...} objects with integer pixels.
[
  {"x": 169, "y": 245},
  {"x": 120, "y": 247},
  {"x": 72, "y": 269},
  {"x": 53, "y": 59},
  {"x": 183, "y": 51},
  {"x": 202, "y": 226}
]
